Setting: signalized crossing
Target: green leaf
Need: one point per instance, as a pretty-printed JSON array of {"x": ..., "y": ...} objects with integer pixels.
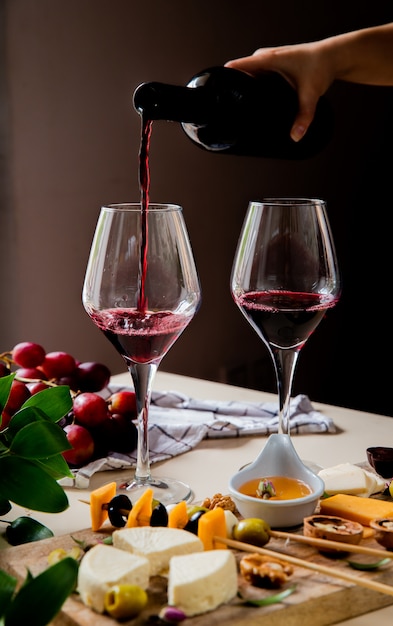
[
  {"x": 55, "y": 402},
  {"x": 7, "y": 588},
  {"x": 5, "y": 506},
  {"x": 368, "y": 566},
  {"x": 25, "y": 529},
  {"x": 273, "y": 599},
  {"x": 25, "y": 483},
  {"x": 23, "y": 418},
  {"x": 38, "y": 602},
  {"x": 56, "y": 466},
  {"x": 5, "y": 387},
  {"x": 39, "y": 440}
]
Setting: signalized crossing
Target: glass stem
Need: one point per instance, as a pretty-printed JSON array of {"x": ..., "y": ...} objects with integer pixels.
[
  {"x": 142, "y": 375},
  {"x": 285, "y": 365}
]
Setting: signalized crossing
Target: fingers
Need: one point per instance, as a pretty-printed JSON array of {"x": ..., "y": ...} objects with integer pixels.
[
  {"x": 297, "y": 70},
  {"x": 307, "y": 99},
  {"x": 251, "y": 64}
]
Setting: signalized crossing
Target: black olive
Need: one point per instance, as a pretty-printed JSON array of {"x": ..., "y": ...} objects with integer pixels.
[
  {"x": 159, "y": 516},
  {"x": 192, "y": 524},
  {"x": 118, "y": 510}
]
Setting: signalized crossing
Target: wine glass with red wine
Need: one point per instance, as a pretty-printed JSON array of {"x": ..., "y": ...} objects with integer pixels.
[
  {"x": 141, "y": 290},
  {"x": 284, "y": 279}
]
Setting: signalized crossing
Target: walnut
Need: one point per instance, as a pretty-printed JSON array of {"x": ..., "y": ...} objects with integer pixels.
[
  {"x": 264, "y": 571},
  {"x": 225, "y": 502}
]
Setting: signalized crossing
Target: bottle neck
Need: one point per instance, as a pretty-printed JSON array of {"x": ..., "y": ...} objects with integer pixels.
[{"x": 159, "y": 101}]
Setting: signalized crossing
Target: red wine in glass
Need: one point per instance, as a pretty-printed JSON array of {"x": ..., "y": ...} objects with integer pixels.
[
  {"x": 284, "y": 319},
  {"x": 142, "y": 289},
  {"x": 284, "y": 279},
  {"x": 141, "y": 337}
]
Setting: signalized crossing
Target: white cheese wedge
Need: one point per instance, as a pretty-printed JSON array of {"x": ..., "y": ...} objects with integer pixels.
[
  {"x": 230, "y": 520},
  {"x": 104, "y": 566},
  {"x": 377, "y": 484},
  {"x": 203, "y": 581},
  {"x": 158, "y": 544},
  {"x": 350, "y": 479}
]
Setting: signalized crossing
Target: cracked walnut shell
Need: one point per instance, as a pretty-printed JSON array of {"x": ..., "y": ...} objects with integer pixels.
[{"x": 264, "y": 571}]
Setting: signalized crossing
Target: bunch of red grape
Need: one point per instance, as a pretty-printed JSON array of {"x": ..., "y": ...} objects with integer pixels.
[{"x": 95, "y": 426}]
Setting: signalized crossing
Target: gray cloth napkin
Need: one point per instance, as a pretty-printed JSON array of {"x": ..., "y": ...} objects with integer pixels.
[{"x": 177, "y": 423}]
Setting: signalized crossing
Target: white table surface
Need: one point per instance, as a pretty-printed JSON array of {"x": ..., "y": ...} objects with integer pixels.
[{"x": 207, "y": 468}]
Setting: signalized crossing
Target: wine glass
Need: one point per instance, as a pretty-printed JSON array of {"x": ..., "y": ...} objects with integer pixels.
[
  {"x": 284, "y": 278},
  {"x": 141, "y": 289}
]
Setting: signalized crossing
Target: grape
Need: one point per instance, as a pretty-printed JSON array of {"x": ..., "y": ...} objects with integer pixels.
[
  {"x": 93, "y": 376},
  {"x": 36, "y": 387},
  {"x": 94, "y": 426},
  {"x": 4, "y": 370},
  {"x": 28, "y": 354},
  {"x": 72, "y": 381},
  {"x": 58, "y": 364},
  {"x": 5, "y": 420},
  {"x": 18, "y": 395},
  {"x": 82, "y": 444},
  {"x": 116, "y": 434},
  {"x": 32, "y": 373},
  {"x": 90, "y": 409},
  {"x": 123, "y": 402}
]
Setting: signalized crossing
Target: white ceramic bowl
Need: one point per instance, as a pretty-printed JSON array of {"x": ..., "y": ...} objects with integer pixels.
[{"x": 278, "y": 458}]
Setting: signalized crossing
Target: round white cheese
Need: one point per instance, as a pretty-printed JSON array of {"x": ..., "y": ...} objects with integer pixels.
[
  {"x": 104, "y": 566},
  {"x": 157, "y": 543},
  {"x": 200, "y": 582}
]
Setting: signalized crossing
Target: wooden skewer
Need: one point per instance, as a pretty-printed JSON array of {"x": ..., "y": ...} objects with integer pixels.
[
  {"x": 322, "y": 569},
  {"x": 335, "y": 545}
]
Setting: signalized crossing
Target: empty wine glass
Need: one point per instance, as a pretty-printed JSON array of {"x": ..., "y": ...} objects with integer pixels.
[
  {"x": 141, "y": 289},
  {"x": 284, "y": 278}
]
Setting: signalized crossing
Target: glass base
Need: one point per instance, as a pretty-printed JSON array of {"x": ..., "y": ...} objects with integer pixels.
[{"x": 166, "y": 490}]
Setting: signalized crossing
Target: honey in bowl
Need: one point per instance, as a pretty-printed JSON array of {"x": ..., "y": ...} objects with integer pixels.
[{"x": 275, "y": 488}]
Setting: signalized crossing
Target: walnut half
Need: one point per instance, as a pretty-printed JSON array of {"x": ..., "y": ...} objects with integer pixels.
[
  {"x": 264, "y": 571},
  {"x": 224, "y": 502}
]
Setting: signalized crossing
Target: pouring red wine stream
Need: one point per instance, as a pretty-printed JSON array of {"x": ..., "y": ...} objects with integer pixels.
[{"x": 144, "y": 185}]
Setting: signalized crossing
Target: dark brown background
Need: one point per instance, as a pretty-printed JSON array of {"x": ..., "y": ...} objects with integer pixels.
[{"x": 69, "y": 143}]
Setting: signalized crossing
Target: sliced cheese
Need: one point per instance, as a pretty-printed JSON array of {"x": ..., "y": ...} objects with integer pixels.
[
  {"x": 361, "y": 510},
  {"x": 104, "y": 566},
  {"x": 230, "y": 521},
  {"x": 350, "y": 479},
  {"x": 377, "y": 483},
  {"x": 212, "y": 524},
  {"x": 158, "y": 544},
  {"x": 201, "y": 582}
]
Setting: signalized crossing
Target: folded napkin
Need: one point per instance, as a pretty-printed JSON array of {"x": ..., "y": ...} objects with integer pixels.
[{"x": 177, "y": 423}]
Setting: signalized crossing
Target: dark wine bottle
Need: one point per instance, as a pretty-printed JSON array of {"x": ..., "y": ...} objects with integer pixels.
[{"x": 228, "y": 111}]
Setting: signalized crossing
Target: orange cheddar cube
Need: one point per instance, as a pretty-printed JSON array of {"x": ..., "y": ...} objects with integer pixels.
[
  {"x": 141, "y": 511},
  {"x": 178, "y": 515},
  {"x": 212, "y": 524},
  {"x": 98, "y": 499},
  {"x": 356, "y": 508}
]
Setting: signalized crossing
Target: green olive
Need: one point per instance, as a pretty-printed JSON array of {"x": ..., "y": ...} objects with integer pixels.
[
  {"x": 193, "y": 508},
  {"x": 252, "y": 530},
  {"x": 125, "y": 601}
]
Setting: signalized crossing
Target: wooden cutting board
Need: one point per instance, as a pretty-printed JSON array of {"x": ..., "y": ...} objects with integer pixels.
[{"x": 319, "y": 600}]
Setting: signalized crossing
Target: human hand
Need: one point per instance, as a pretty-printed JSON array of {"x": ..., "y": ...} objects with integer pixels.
[{"x": 305, "y": 66}]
